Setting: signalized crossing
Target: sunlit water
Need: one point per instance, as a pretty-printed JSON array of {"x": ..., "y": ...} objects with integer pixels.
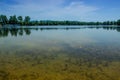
[{"x": 60, "y": 53}]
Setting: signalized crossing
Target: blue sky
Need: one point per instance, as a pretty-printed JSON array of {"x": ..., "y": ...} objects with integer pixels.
[{"x": 81, "y": 10}]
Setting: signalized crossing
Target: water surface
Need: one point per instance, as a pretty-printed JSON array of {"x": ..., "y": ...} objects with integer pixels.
[{"x": 53, "y": 53}]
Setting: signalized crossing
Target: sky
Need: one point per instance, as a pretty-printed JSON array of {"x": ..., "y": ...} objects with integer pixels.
[{"x": 75, "y": 10}]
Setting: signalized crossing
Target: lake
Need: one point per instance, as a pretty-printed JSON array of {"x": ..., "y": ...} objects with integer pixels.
[{"x": 60, "y": 53}]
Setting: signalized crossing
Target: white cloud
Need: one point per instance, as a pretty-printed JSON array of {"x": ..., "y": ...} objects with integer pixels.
[{"x": 50, "y": 9}]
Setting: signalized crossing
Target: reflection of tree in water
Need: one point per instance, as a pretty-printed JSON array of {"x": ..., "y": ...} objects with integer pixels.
[
  {"x": 112, "y": 28},
  {"x": 118, "y": 29},
  {"x": 14, "y": 32},
  {"x": 4, "y": 32},
  {"x": 27, "y": 31},
  {"x": 21, "y": 32},
  {"x": 106, "y": 28},
  {"x": 17, "y": 31}
]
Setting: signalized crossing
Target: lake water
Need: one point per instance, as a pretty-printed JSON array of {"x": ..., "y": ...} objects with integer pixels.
[{"x": 60, "y": 53}]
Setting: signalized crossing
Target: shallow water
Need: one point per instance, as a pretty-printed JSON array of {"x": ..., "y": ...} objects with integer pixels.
[{"x": 42, "y": 53}]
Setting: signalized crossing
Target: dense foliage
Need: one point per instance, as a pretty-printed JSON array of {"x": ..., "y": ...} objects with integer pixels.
[{"x": 26, "y": 21}]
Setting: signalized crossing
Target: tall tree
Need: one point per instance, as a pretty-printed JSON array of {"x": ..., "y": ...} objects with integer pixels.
[
  {"x": 20, "y": 20},
  {"x": 13, "y": 20},
  {"x": 3, "y": 19},
  {"x": 108, "y": 22},
  {"x": 118, "y": 22},
  {"x": 111, "y": 23},
  {"x": 27, "y": 20}
]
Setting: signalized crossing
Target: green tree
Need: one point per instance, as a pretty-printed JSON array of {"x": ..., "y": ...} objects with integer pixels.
[
  {"x": 13, "y": 20},
  {"x": 20, "y": 20},
  {"x": 108, "y": 22},
  {"x": 118, "y": 22},
  {"x": 3, "y": 19},
  {"x": 27, "y": 20},
  {"x": 105, "y": 23},
  {"x": 111, "y": 22}
]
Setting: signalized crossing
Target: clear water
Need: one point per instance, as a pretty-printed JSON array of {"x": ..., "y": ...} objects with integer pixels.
[{"x": 41, "y": 53}]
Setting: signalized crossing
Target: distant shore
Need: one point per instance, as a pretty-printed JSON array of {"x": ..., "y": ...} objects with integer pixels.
[{"x": 26, "y": 21}]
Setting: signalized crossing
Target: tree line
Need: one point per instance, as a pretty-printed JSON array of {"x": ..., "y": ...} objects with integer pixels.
[
  {"x": 27, "y": 21},
  {"x": 14, "y": 20}
]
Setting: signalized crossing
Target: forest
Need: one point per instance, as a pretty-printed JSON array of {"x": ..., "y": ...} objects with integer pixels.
[{"x": 26, "y": 21}]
